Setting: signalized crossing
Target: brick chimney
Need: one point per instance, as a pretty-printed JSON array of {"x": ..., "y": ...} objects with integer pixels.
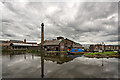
[
  {"x": 24, "y": 40},
  {"x": 42, "y": 33},
  {"x": 10, "y": 41}
]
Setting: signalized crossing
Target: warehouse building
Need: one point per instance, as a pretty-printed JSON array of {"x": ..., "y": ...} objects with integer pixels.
[{"x": 60, "y": 44}]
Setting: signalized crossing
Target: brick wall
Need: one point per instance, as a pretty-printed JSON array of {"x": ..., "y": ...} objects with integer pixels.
[
  {"x": 52, "y": 47},
  {"x": 62, "y": 46}
]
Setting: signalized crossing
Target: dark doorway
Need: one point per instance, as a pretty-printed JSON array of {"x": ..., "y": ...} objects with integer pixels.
[
  {"x": 69, "y": 47},
  {"x": 48, "y": 49},
  {"x": 56, "y": 48}
]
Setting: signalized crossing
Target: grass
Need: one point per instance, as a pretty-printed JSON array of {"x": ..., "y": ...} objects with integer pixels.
[
  {"x": 104, "y": 53},
  {"x": 32, "y": 51}
]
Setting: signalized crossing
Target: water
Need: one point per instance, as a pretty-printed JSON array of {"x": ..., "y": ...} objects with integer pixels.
[{"x": 58, "y": 65}]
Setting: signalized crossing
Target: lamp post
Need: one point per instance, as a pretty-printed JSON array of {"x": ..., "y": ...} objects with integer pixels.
[{"x": 103, "y": 48}]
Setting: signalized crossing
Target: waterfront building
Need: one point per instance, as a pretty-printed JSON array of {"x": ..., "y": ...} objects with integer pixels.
[
  {"x": 98, "y": 47},
  {"x": 60, "y": 44},
  {"x": 18, "y": 44},
  {"x": 22, "y": 46},
  {"x": 4, "y": 44}
]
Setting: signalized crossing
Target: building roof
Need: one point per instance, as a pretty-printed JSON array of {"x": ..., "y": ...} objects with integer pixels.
[
  {"x": 4, "y": 44},
  {"x": 16, "y": 41},
  {"x": 77, "y": 45},
  {"x": 4, "y": 41},
  {"x": 52, "y": 42},
  {"x": 69, "y": 40},
  {"x": 102, "y": 45},
  {"x": 58, "y": 38},
  {"x": 31, "y": 43},
  {"x": 22, "y": 44}
]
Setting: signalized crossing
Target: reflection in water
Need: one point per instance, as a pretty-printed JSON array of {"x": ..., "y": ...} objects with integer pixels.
[
  {"x": 11, "y": 56},
  {"x": 15, "y": 66},
  {"x": 60, "y": 58},
  {"x": 32, "y": 56},
  {"x": 102, "y": 62},
  {"x": 24, "y": 56},
  {"x": 42, "y": 65},
  {"x": 42, "y": 53}
]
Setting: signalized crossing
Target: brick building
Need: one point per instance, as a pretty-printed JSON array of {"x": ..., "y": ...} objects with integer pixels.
[
  {"x": 60, "y": 44},
  {"x": 16, "y": 41},
  {"x": 4, "y": 44},
  {"x": 18, "y": 44},
  {"x": 99, "y": 47},
  {"x": 77, "y": 45},
  {"x": 53, "y": 45}
]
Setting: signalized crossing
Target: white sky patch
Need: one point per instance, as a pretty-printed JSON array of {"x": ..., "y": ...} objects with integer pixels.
[{"x": 52, "y": 9}]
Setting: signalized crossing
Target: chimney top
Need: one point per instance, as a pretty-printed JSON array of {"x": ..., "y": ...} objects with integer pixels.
[
  {"x": 24, "y": 40},
  {"x": 58, "y": 38},
  {"x": 42, "y": 24}
]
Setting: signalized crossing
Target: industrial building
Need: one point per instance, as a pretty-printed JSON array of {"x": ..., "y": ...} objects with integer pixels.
[
  {"x": 60, "y": 44},
  {"x": 99, "y": 47},
  {"x": 18, "y": 44}
]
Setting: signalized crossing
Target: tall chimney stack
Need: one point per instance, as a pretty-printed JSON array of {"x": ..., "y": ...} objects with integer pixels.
[
  {"x": 42, "y": 50},
  {"x": 42, "y": 33},
  {"x": 24, "y": 40}
]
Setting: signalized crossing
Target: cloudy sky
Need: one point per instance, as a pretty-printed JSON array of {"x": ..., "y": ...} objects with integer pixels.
[{"x": 83, "y": 22}]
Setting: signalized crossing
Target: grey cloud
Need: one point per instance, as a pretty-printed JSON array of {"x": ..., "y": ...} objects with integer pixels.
[
  {"x": 6, "y": 20},
  {"x": 93, "y": 20},
  {"x": 8, "y": 35},
  {"x": 112, "y": 40}
]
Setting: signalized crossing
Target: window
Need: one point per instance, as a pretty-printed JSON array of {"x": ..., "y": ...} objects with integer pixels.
[
  {"x": 48, "y": 47},
  {"x": 117, "y": 47},
  {"x": 96, "y": 48},
  {"x": 113, "y": 47},
  {"x": 45, "y": 46},
  {"x": 65, "y": 42},
  {"x": 52, "y": 46},
  {"x": 62, "y": 46}
]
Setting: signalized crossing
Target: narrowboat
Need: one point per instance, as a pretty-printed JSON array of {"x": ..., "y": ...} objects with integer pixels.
[{"x": 75, "y": 51}]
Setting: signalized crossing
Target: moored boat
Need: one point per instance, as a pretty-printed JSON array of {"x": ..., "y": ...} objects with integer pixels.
[{"x": 75, "y": 51}]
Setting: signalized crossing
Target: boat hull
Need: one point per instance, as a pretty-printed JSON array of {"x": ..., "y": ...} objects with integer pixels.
[{"x": 75, "y": 52}]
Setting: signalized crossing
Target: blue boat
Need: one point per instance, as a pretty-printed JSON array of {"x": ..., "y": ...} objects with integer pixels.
[{"x": 75, "y": 51}]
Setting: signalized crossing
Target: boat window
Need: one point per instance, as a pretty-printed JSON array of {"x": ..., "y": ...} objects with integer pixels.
[{"x": 75, "y": 50}]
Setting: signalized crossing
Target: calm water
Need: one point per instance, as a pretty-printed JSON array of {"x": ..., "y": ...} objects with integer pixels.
[{"x": 58, "y": 65}]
